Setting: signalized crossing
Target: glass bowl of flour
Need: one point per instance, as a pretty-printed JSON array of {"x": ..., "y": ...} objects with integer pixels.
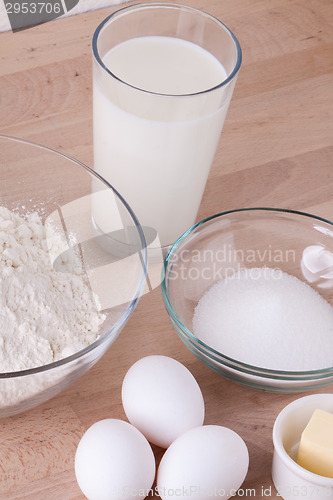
[
  {"x": 72, "y": 268},
  {"x": 250, "y": 293}
]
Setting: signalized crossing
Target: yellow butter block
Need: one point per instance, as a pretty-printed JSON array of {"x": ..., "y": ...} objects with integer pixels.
[{"x": 316, "y": 447}]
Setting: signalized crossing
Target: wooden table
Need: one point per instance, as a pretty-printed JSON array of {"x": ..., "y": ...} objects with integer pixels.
[{"x": 275, "y": 150}]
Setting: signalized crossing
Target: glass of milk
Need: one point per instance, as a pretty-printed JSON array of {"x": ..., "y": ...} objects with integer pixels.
[{"x": 163, "y": 77}]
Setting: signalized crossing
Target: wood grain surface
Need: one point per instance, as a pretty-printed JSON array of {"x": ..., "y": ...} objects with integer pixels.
[{"x": 276, "y": 150}]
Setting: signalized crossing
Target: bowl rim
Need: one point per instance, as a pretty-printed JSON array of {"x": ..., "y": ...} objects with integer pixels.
[
  {"x": 144, "y": 260},
  {"x": 204, "y": 348}
]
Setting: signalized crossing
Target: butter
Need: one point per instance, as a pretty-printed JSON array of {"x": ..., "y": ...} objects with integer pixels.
[{"x": 316, "y": 447}]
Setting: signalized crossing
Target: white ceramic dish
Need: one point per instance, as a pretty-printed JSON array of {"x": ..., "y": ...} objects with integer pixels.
[{"x": 290, "y": 479}]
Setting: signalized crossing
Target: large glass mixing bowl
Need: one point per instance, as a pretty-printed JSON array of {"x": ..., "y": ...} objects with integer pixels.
[{"x": 97, "y": 234}]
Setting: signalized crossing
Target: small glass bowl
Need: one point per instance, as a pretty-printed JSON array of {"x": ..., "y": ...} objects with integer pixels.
[
  {"x": 97, "y": 236},
  {"x": 297, "y": 243}
]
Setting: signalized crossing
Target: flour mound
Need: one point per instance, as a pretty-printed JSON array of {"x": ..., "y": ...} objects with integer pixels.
[{"x": 45, "y": 315}]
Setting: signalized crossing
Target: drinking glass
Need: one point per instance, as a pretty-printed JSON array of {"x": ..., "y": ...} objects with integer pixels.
[{"x": 156, "y": 144}]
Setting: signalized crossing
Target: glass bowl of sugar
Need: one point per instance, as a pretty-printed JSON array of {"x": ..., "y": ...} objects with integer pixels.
[
  {"x": 250, "y": 293},
  {"x": 72, "y": 268}
]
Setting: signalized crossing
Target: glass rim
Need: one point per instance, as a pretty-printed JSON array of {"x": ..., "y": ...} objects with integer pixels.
[
  {"x": 79, "y": 354},
  {"x": 209, "y": 351},
  {"x": 175, "y": 6}
]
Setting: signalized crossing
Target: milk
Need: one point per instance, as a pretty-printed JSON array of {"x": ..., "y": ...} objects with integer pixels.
[{"x": 153, "y": 140}]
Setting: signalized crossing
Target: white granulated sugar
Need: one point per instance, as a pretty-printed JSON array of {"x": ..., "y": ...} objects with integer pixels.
[
  {"x": 45, "y": 315},
  {"x": 267, "y": 318}
]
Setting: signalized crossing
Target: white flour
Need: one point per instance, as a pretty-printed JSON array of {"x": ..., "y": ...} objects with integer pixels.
[{"x": 45, "y": 315}]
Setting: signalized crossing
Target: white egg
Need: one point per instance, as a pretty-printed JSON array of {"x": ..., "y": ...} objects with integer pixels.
[
  {"x": 162, "y": 399},
  {"x": 207, "y": 462},
  {"x": 114, "y": 461}
]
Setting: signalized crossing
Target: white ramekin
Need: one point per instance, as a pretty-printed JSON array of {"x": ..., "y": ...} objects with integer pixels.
[{"x": 290, "y": 479}]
